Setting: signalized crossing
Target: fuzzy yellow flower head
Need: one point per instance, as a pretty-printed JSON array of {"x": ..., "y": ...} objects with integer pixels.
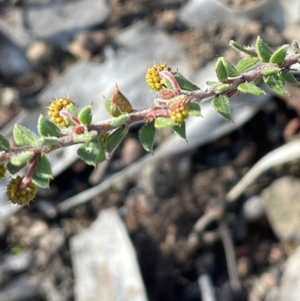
[
  {"x": 55, "y": 107},
  {"x": 178, "y": 110},
  {"x": 152, "y": 76},
  {"x": 18, "y": 195},
  {"x": 2, "y": 170}
]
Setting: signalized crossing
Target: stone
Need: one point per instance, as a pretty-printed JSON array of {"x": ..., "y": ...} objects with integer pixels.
[
  {"x": 58, "y": 21},
  {"x": 282, "y": 207},
  {"x": 104, "y": 262},
  {"x": 290, "y": 282}
]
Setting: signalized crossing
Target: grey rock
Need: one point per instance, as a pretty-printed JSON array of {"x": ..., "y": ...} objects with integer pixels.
[
  {"x": 104, "y": 262},
  {"x": 282, "y": 207},
  {"x": 17, "y": 263},
  {"x": 290, "y": 282},
  {"x": 21, "y": 288},
  {"x": 61, "y": 20},
  {"x": 12, "y": 24},
  {"x": 12, "y": 59},
  {"x": 198, "y": 13}
]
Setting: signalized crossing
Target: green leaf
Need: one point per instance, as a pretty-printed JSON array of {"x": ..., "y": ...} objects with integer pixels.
[
  {"x": 24, "y": 136},
  {"x": 194, "y": 108},
  {"x": 43, "y": 173},
  {"x": 13, "y": 169},
  {"x": 246, "y": 63},
  {"x": 40, "y": 182},
  {"x": 120, "y": 120},
  {"x": 240, "y": 48},
  {"x": 221, "y": 88},
  {"x": 230, "y": 69},
  {"x": 263, "y": 51},
  {"x": 221, "y": 70},
  {"x": 276, "y": 84},
  {"x": 169, "y": 80},
  {"x": 85, "y": 115},
  {"x": 250, "y": 88},
  {"x": 21, "y": 158},
  {"x": 289, "y": 77},
  {"x": 86, "y": 137},
  {"x": 295, "y": 46},
  {"x": 180, "y": 130},
  {"x": 92, "y": 152},
  {"x": 115, "y": 138},
  {"x": 43, "y": 169},
  {"x": 48, "y": 128},
  {"x": 212, "y": 83},
  {"x": 279, "y": 55},
  {"x": 163, "y": 122},
  {"x": 74, "y": 110},
  {"x": 222, "y": 106},
  {"x": 147, "y": 135},
  {"x": 107, "y": 105},
  {"x": 48, "y": 141},
  {"x": 4, "y": 143},
  {"x": 184, "y": 83},
  {"x": 270, "y": 70}
]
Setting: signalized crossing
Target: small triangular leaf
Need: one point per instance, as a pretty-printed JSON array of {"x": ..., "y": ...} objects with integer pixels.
[
  {"x": 230, "y": 69},
  {"x": 221, "y": 88},
  {"x": 85, "y": 115},
  {"x": 289, "y": 77},
  {"x": 295, "y": 46},
  {"x": 74, "y": 110},
  {"x": 92, "y": 152},
  {"x": 263, "y": 51},
  {"x": 163, "y": 122},
  {"x": 270, "y": 70},
  {"x": 13, "y": 169},
  {"x": 184, "y": 83},
  {"x": 48, "y": 141},
  {"x": 222, "y": 106},
  {"x": 221, "y": 70},
  {"x": 169, "y": 80},
  {"x": 40, "y": 182},
  {"x": 115, "y": 138},
  {"x": 194, "y": 108},
  {"x": 4, "y": 143},
  {"x": 120, "y": 120},
  {"x": 246, "y": 63},
  {"x": 21, "y": 158},
  {"x": 47, "y": 128},
  {"x": 180, "y": 130},
  {"x": 107, "y": 105},
  {"x": 43, "y": 169},
  {"x": 276, "y": 84},
  {"x": 279, "y": 55},
  {"x": 24, "y": 136},
  {"x": 212, "y": 83},
  {"x": 147, "y": 135},
  {"x": 250, "y": 88},
  {"x": 86, "y": 137},
  {"x": 241, "y": 48}
]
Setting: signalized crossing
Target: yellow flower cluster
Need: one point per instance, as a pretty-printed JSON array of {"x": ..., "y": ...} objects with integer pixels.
[
  {"x": 55, "y": 107},
  {"x": 178, "y": 111},
  {"x": 18, "y": 195},
  {"x": 152, "y": 76}
]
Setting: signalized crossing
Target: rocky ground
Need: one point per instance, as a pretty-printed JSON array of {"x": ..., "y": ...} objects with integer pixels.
[{"x": 175, "y": 210}]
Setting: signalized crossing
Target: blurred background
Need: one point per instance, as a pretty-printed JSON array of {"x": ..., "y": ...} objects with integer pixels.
[{"x": 213, "y": 218}]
